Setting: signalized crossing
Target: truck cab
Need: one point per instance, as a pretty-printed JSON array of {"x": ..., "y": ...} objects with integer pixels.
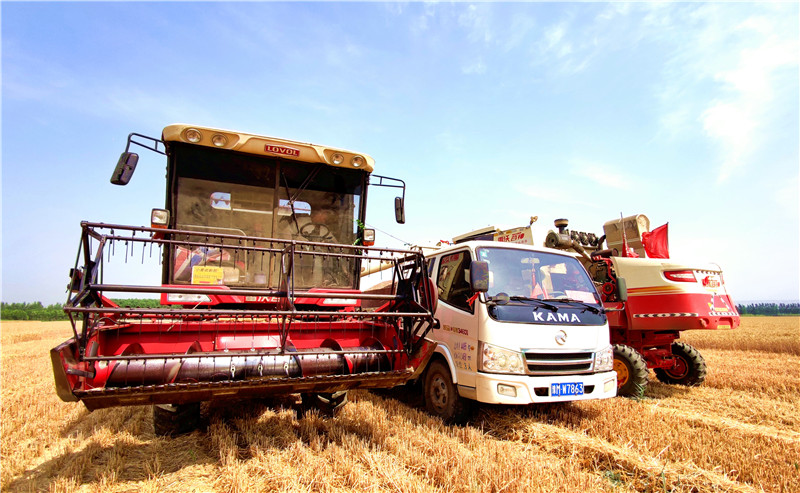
[{"x": 518, "y": 325}]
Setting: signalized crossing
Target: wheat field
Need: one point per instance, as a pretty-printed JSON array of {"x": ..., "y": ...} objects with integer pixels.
[{"x": 740, "y": 431}]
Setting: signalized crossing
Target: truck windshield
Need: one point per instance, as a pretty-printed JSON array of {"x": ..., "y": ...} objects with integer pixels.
[
  {"x": 268, "y": 197},
  {"x": 537, "y": 275}
]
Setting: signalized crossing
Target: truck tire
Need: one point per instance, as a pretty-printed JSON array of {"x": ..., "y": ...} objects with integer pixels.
[
  {"x": 690, "y": 367},
  {"x": 441, "y": 395},
  {"x": 631, "y": 371},
  {"x": 170, "y": 420},
  {"x": 329, "y": 403}
]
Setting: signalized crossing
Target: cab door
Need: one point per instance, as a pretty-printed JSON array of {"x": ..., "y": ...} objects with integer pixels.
[{"x": 456, "y": 313}]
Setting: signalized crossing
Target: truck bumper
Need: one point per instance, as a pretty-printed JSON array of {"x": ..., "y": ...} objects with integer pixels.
[{"x": 523, "y": 389}]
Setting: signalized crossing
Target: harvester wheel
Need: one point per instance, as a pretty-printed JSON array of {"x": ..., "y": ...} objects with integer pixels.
[
  {"x": 690, "y": 367},
  {"x": 328, "y": 403},
  {"x": 631, "y": 369},
  {"x": 441, "y": 395},
  {"x": 175, "y": 419}
]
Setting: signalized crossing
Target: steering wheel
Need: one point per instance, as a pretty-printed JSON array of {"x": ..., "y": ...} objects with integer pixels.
[
  {"x": 314, "y": 231},
  {"x": 557, "y": 294}
]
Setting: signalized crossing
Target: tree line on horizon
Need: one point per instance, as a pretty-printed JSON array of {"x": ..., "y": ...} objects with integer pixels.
[
  {"x": 769, "y": 309},
  {"x": 37, "y": 311}
]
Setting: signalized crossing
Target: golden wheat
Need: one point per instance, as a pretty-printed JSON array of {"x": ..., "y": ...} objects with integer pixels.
[{"x": 737, "y": 432}]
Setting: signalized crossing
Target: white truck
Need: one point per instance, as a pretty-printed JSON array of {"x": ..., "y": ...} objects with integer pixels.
[{"x": 518, "y": 325}]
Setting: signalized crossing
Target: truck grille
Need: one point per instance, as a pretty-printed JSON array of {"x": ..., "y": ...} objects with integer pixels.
[{"x": 559, "y": 363}]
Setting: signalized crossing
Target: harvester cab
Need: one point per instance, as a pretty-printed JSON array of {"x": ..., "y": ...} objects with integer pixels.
[
  {"x": 649, "y": 299},
  {"x": 260, "y": 245}
]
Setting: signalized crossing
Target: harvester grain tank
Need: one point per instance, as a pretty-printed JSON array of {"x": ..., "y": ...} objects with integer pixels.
[
  {"x": 261, "y": 243},
  {"x": 650, "y": 299}
]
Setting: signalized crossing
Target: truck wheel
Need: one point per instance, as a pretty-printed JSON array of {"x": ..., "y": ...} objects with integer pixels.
[
  {"x": 328, "y": 403},
  {"x": 631, "y": 371},
  {"x": 441, "y": 395},
  {"x": 171, "y": 420},
  {"x": 690, "y": 367}
]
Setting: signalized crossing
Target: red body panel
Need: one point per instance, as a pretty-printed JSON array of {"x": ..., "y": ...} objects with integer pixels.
[{"x": 684, "y": 311}]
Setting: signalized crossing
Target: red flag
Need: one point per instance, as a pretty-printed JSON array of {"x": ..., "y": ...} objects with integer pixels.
[{"x": 656, "y": 243}]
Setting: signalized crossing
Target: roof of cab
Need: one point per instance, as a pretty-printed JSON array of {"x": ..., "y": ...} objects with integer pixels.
[
  {"x": 262, "y": 145},
  {"x": 472, "y": 245}
]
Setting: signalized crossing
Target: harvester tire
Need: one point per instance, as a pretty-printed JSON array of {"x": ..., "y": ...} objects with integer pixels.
[
  {"x": 441, "y": 395},
  {"x": 171, "y": 420},
  {"x": 690, "y": 367},
  {"x": 631, "y": 369},
  {"x": 328, "y": 403}
]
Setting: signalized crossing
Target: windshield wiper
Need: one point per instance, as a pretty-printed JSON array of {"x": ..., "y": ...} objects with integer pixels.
[
  {"x": 502, "y": 300},
  {"x": 542, "y": 303},
  {"x": 586, "y": 306}
]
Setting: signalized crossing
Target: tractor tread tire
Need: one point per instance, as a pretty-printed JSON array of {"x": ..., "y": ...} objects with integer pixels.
[
  {"x": 637, "y": 371},
  {"x": 328, "y": 403},
  {"x": 171, "y": 420},
  {"x": 695, "y": 367}
]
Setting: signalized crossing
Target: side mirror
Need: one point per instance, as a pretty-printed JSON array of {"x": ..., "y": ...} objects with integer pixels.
[
  {"x": 622, "y": 286},
  {"x": 399, "y": 210},
  {"x": 124, "y": 170},
  {"x": 479, "y": 276}
]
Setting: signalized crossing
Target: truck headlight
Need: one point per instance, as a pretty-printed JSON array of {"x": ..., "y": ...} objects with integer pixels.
[
  {"x": 498, "y": 360},
  {"x": 604, "y": 359}
]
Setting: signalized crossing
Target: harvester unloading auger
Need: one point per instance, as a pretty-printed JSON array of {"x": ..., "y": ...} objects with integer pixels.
[{"x": 261, "y": 243}]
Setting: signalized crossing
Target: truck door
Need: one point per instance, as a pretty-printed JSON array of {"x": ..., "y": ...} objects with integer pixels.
[{"x": 456, "y": 314}]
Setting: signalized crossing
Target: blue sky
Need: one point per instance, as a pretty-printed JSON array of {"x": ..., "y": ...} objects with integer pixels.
[{"x": 491, "y": 113}]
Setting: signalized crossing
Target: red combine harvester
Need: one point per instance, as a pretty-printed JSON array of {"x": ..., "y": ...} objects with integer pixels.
[
  {"x": 649, "y": 301},
  {"x": 261, "y": 244}
]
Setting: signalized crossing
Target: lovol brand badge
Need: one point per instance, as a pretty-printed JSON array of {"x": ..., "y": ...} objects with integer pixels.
[{"x": 285, "y": 151}]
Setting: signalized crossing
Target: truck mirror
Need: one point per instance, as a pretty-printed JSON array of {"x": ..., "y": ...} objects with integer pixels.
[
  {"x": 622, "y": 286},
  {"x": 124, "y": 170},
  {"x": 479, "y": 276},
  {"x": 399, "y": 210}
]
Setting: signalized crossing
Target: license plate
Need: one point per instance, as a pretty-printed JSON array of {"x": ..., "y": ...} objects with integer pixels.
[{"x": 569, "y": 388}]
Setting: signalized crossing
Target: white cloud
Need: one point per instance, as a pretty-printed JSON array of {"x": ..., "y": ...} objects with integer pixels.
[
  {"x": 554, "y": 194},
  {"x": 786, "y": 196},
  {"x": 521, "y": 26},
  {"x": 730, "y": 123},
  {"x": 747, "y": 63},
  {"x": 474, "y": 67},
  {"x": 554, "y": 41},
  {"x": 477, "y": 19},
  {"x": 607, "y": 176},
  {"x": 421, "y": 23}
]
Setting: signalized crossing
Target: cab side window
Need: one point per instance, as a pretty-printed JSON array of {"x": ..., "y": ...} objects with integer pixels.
[{"x": 453, "y": 280}]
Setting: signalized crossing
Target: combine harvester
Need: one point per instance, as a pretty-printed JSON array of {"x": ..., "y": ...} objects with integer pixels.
[
  {"x": 650, "y": 300},
  {"x": 261, "y": 244}
]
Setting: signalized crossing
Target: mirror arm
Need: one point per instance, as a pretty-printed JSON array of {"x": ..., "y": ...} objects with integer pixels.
[
  {"x": 153, "y": 146},
  {"x": 394, "y": 183},
  {"x": 380, "y": 183}
]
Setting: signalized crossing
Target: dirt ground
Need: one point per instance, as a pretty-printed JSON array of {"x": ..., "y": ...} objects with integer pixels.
[{"x": 739, "y": 431}]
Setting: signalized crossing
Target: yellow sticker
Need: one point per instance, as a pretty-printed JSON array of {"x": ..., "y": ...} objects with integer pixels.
[{"x": 203, "y": 274}]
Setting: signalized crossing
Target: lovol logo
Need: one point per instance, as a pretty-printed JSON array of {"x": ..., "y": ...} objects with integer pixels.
[{"x": 285, "y": 151}]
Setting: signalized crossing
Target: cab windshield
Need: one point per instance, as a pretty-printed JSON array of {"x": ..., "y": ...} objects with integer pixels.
[
  {"x": 258, "y": 196},
  {"x": 536, "y": 275}
]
